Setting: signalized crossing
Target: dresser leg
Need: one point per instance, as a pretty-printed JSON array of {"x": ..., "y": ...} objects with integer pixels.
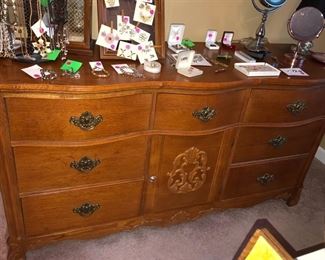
[
  {"x": 16, "y": 250},
  {"x": 294, "y": 198}
]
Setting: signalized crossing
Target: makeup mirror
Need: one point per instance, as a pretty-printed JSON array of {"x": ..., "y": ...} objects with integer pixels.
[
  {"x": 304, "y": 26},
  {"x": 265, "y": 7}
]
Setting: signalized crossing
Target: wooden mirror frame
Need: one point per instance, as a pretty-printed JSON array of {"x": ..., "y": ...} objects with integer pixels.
[
  {"x": 157, "y": 29},
  {"x": 84, "y": 47}
]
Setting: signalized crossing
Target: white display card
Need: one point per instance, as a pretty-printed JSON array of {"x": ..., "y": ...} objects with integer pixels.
[
  {"x": 294, "y": 72},
  {"x": 107, "y": 38},
  {"x": 211, "y": 36},
  {"x": 139, "y": 35},
  {"x": 144, "y": 12},
  {"x": 112, "y": 3},
  {"x": 33, "y": 71},
  {"x": 176, "y": 34},
  {"x": 127, "y": 50},
  {"x": 117, "y": 67},
  {"x": 147, "y": 52},
  {"x": 184, "y": 59},
  {"x": 96, "y": 65},
  {"x": 124, "y": 27},
  {"x": 39, "y": 28}
]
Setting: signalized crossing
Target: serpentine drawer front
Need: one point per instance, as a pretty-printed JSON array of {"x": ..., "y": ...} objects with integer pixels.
[
  {"x": 83, "y": 158},
  {"x": 44, "y": 214},
  {"x": 79, "y": 165},
  {"x": 262, "y": 178},
  {"x": 279, "y": 106},
  {"x": 198, "y": 112},
  {"x": 77, "y": 119},
  {"x": 256, "y": 143}
]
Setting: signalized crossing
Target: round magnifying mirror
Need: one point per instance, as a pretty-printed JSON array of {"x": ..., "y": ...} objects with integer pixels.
[
  {"x": 272, "y": 3},
  {"x": 304, "y": 26}
]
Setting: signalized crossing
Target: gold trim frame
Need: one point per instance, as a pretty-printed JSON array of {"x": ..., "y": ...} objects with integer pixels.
[
  {"x": 271, "y": 240},
  {"x": 157, "y": 30}
]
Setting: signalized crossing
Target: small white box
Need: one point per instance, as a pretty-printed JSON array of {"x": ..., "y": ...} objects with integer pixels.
[
  {"x": 184, "y": 59},
  {"x": 210, "y": 40},
  {"x": 257, "y": 69},
  {"x": 175, "y": 37}
]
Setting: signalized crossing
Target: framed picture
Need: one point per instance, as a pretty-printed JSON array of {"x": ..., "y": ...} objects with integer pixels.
[
  {"x": 79, "y": 26},
  {"x": 263, "y": 245},
  {"x": 227, "y": 38},
  {"x": 151, "y": 28}
]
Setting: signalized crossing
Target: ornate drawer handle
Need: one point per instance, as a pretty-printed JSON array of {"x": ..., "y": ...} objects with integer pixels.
[
  {"x": 86, "y": 209},
  {"x": 278, "y": 141},
  {"x": 86, "y": 121},
  {"x": 297, "y": 107},
  {"x": 265, "y": 179},
  {"x": 85, "y": 164},
  {"x": 205, "y": 114}
]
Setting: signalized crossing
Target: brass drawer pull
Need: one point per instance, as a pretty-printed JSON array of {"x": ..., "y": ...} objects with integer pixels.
[
  {"x": 297, "y": 107},
  {"x": 86, "y": 209},
  {"x": 205, "y": 114},
  {"x": 265, "y": 179},
  {"x": 278, "y": 141},
  {"x": 85, "y": 164},
  {"x": 87, "y": 121}
]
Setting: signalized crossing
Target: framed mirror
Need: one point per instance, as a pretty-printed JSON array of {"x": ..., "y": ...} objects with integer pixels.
[
  {"x": 108, "y": 16},
  {"x": 79, "y": 26}
]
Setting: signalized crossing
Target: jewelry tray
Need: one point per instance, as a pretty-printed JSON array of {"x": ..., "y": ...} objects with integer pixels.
[
  {"x": 257, "y": 69},
  {"x": 157, "y": 31}
]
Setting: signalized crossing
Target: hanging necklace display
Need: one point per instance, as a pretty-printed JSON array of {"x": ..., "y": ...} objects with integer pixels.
[
  {"x": 7, "y": 23},
  {"x": 58, "y": 19}
]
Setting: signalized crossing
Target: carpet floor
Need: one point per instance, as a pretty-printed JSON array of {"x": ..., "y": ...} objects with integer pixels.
[{"x": 215, "y": 236}]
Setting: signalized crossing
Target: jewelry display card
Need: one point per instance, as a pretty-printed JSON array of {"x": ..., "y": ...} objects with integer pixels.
[
  {"x": 146, "y": 52},
  {"x": 127, "y": 50},
  {"x": 96, "y": 65},
  {"x": 124, "y": 27},
  {"x": 144, "y": 12},
  {"x": 112, "y": 3},
  {"x": 118, "y": 67},
  {"x": 294, "y": 72},
  {"x": 107, "y": 37},
  {"x": 33, "y": 71},
  {"x": 136, "y": 21}
]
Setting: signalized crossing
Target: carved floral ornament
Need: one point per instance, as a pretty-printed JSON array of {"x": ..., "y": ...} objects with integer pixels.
[{"x": 189, "y": 171}]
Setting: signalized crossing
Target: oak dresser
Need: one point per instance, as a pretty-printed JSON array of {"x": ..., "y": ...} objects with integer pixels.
[{"x": 86, "y": 157}]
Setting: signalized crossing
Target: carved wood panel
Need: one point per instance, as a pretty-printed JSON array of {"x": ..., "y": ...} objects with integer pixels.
[{"x": 189, "y": 171}]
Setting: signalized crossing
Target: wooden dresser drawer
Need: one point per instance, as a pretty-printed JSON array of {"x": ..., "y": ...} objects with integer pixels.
[
  {"x": 54, "y": 212},
  {"x": 261, "y": 178},
  {"x": 277, "y": 106},
  {"x": 43, "y": 168},
  {"x": 255, "y": 143},
  {"x": 195, "y": 112},
  {"x": 51, "y": 119}
]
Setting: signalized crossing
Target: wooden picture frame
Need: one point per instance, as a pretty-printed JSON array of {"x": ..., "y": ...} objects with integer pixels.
[
  {"x": 83, "y": 45},
  {"x": 271, "y": 242},
  {"x": 157, "y": 30}
]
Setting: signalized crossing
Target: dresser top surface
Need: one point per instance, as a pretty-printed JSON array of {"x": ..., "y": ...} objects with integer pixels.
[{"x": 13, "y": 79}]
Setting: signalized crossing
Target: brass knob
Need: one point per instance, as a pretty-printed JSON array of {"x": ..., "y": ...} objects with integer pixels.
[
  {"x": 86, "y": 209},
  {"x": 153, "y": 179},
  {"x": 87, "y": 121},
  {"x": 297, "y": 107},
  {"x": 265, "y": 179},
  {"x": 205, "y": 114},
  {"x": 278, "y": 141},
  {"x": 85, "y": 164}
]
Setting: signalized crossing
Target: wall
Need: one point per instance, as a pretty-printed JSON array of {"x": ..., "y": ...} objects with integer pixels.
[{"x": 232, "y": 15}]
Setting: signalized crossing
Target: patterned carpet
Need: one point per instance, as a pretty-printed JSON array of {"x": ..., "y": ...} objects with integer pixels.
[{"x": 214, "y": 236}]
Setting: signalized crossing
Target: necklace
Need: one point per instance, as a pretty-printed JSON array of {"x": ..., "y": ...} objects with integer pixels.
[{"x": 6, "y": 34}]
